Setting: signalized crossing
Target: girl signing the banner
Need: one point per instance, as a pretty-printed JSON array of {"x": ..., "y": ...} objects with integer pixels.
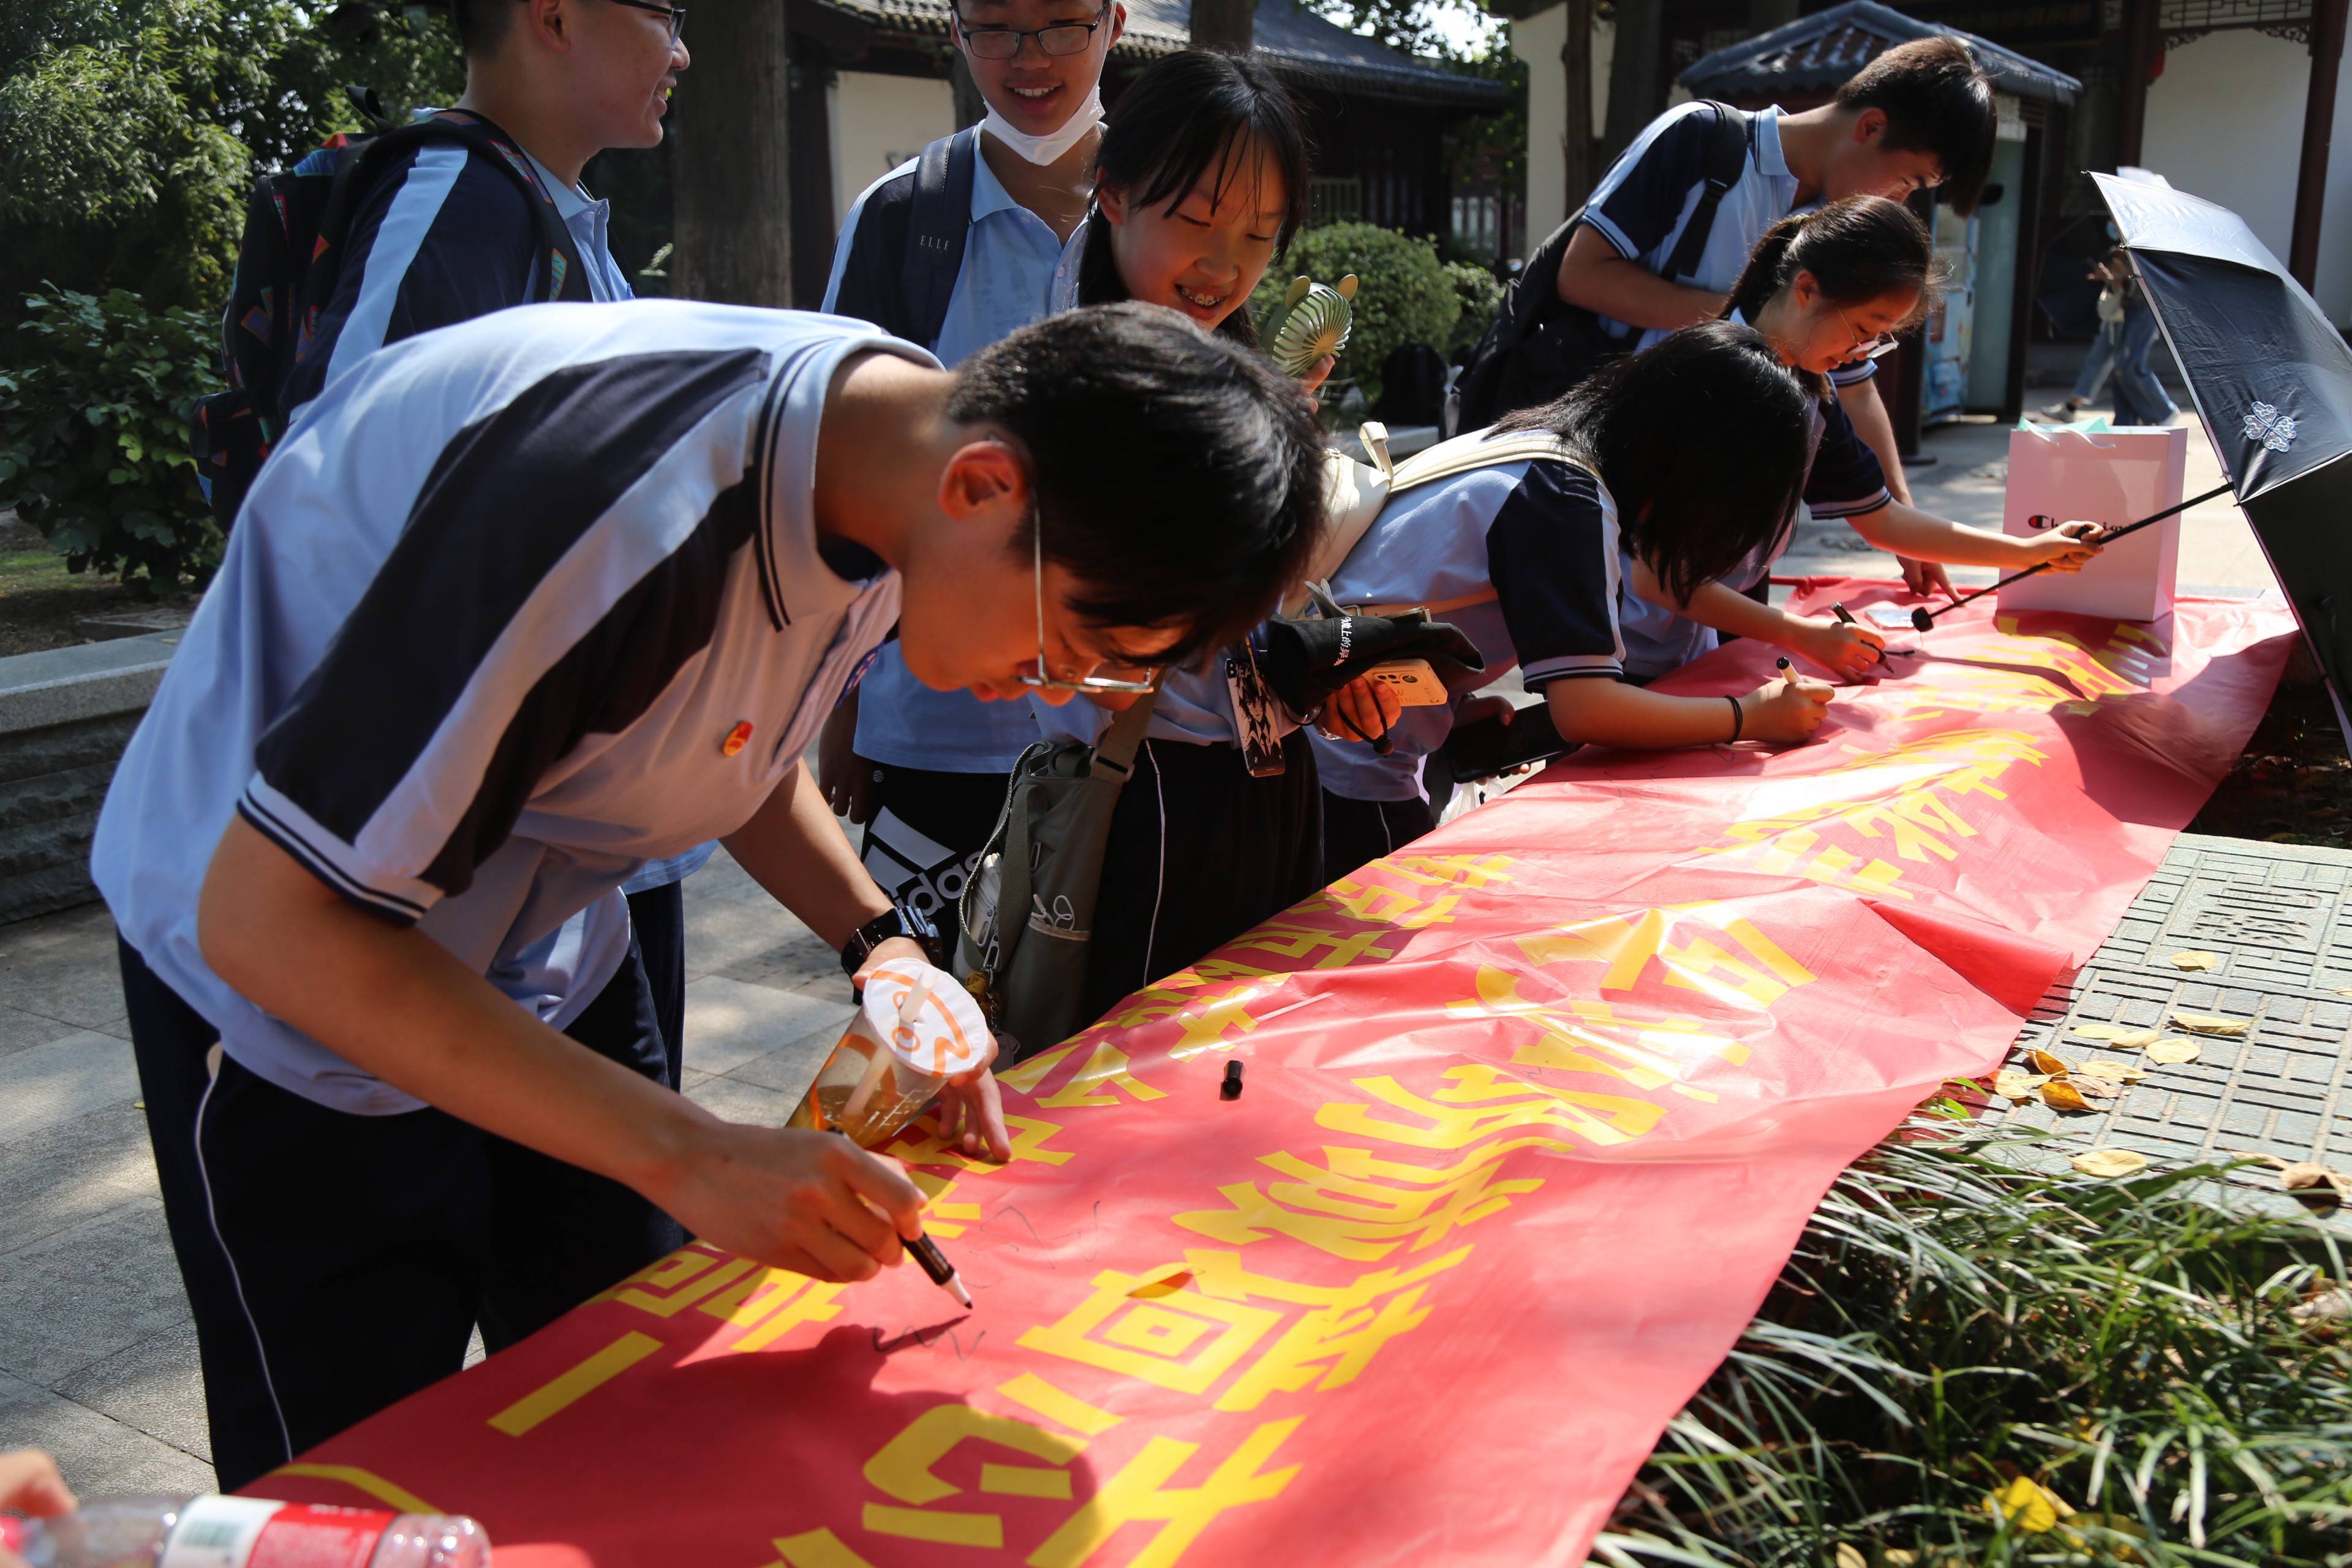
[{"x": 1826, "y": 290}]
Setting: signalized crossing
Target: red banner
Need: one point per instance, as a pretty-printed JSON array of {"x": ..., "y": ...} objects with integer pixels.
[{"x": 1534, "y": 1113}]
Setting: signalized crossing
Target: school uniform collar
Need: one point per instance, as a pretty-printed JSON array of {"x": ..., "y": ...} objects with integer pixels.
[
  {"x": 802, "y": 573},
  {"x": 570, "y": 200},
  {"x": 1770, "y": 160}
]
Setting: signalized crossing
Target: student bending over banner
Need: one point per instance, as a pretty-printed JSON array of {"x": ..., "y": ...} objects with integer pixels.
[
  {"x": 588, "y": 610},
  {"x": 1826, "y": 290}
]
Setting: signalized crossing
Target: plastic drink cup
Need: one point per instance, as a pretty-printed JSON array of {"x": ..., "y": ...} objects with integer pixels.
[{"x": 915, "y": 1029}]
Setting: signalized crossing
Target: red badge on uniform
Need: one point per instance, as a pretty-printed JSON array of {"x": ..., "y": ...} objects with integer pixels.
[{"x": 737, "y": 739}]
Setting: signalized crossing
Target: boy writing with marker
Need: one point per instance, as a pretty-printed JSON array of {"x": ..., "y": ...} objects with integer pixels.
[
  {"x": 1630, "y": 267},
  {"x": 447, "y": 693}
]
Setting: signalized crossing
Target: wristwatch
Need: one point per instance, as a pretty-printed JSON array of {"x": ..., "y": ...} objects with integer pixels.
[{"x": 899, "y": 921}]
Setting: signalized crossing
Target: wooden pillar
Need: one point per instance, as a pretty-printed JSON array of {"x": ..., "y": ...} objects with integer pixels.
[
  {"x": 2143, "y": 47},
  {"x": 1577, "y": 174},
  {"x": 1223, "y": 23},
  {"x": 2318, "y": 129},
  {"x": 2028, "y": 268},
  {"x": 808, "y": 136},
  {"x": 731, "y": 187},
  {"x": 1634, "y": 99}
]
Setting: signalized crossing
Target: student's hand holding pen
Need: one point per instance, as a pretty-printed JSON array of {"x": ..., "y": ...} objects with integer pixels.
[
  {"x": 1786, "y": 708},
  {"x": 1848, "y": 649}
]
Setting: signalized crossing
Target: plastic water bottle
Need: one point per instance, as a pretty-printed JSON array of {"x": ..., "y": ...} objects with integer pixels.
[{"x": 242, "y": 1533}]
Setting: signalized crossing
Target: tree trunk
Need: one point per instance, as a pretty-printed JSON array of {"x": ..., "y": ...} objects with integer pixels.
[
  {"x": 1633, "y": 78},
  {"x": 731, "y": 188},
  {"x": 971, "y": 109},
  {"x": 1223, "y": 23},
  {"x": 1578, "y": 172}
]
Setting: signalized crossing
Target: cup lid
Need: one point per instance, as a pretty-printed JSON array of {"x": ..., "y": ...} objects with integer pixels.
[{"x": 941, "y": 1034}]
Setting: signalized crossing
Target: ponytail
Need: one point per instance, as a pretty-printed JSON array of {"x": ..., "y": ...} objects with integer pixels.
[{"x": 1859, "y": 249}]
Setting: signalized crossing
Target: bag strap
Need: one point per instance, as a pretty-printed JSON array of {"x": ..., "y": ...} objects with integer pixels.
[
  {"x": 936, "y": 230},
  {"x": 1120, "y": 744},
  {"x": 565, "y": 277},
  {"x": 1464, "y": 455},
  {"x": 1726, "y": 161}
]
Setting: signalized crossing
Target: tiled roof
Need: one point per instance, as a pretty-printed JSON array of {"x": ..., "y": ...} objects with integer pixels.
[
  {"x": 1819, "y": 52},
  {"x": 1295, "y": 38}
]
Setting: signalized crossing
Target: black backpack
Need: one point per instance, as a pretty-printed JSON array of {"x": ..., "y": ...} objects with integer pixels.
[
  {"x": 936, "y": 230},
  {"x": 1539, "y": 345},
  {"x": 286, "y": 266}
]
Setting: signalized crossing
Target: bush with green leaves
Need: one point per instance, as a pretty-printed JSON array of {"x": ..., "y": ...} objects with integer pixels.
[
  {"x": 1402, "y": 292},
  {"x": 94, "y": 402},
  {"x": 1971, "y": 1360},
  {"x": 1481, "y": 293}
]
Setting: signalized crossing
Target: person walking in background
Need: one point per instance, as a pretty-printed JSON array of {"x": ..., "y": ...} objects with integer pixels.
[
  {"x": 953, "y": 251},
  {"x": 2124, "y": 346}
]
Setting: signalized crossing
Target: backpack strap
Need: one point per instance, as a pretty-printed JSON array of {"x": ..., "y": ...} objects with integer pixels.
[
  {"x": 1120, "y": 744},
  {"x": 1449, "y": 459},
  {"x": 1726, "y": 161},
  {"x": 936, "y": 229},
  {"x": 558, "y": 273}
]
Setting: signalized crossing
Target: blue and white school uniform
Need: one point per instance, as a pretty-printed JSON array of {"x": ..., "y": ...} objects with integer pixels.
[
  {"x": 1528, "y": 553},
  {"x": 490, "y": 615},
  {"x": 915, "y": 734}
]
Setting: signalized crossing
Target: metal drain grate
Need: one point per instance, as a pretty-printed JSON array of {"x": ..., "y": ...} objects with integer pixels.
[{"x": 2280, "y": 917}]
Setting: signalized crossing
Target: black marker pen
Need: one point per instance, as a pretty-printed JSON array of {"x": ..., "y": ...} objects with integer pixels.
[{"x": 935, "y": 1263}]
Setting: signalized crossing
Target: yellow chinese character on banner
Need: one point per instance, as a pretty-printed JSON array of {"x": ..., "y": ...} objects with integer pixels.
[
  {"x": 1155, "y": 1327},
  {"x": 1704, "y": 947},
  {"x": 1140, "y": 1492},
  {"x": 907, "y": 1468},
  {"x": 771, "y": 1302},
  {"x": 1329, "y": 1345},
  {"x": 1357, "y": 1205}
]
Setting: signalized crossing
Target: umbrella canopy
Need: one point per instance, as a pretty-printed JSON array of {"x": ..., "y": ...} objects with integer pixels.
[{"x": 2272, "y": 380}]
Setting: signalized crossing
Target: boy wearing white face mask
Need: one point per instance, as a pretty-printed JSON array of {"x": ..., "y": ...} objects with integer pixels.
[{"x": 955, "y": 250}]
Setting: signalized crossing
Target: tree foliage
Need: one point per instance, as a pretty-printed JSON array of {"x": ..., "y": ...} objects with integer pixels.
[{"x": 131, "y": 130}]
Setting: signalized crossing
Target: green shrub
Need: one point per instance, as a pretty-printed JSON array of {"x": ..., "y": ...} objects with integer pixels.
[
  {"x": 1402, "y": 293},
  {"x": 94, "y": 401},
  {"x": 1481, "y": 294}
]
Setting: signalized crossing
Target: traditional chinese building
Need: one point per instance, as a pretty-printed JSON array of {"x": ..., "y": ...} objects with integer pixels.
[{"x": 871, "y": 83}]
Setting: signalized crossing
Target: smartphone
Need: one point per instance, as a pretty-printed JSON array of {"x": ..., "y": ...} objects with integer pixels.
[{"x": 1489, "y": 747}]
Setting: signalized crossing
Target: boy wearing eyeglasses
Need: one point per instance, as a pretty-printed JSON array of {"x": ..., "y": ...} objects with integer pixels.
[
  {"x": 953, "y": 251},
  {"x": 588, "y": 610}
]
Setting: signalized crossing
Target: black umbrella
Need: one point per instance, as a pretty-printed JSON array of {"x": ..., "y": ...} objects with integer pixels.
[{"x": 2273, "y": 381}]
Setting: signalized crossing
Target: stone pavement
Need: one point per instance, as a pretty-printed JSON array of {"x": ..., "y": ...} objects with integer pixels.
[{"x": 97, "y": 1356}]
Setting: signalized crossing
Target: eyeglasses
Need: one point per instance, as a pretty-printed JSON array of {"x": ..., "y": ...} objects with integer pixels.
[
  {"x": 676, "y": 15},
  {"x": 1040, "y": 681},
  {"x": 1876, "y": 347},
  {"x": 1004, "y": 43}
]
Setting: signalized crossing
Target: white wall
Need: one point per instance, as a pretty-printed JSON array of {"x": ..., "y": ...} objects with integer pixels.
[
  {"x": 879, "y": 122},
  {"x": 2225, "y": 122},
  {"x": 1536, "y": 41}
]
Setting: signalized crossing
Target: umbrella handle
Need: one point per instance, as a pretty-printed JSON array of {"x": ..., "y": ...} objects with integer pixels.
[{"x": 1923, "y": 617}]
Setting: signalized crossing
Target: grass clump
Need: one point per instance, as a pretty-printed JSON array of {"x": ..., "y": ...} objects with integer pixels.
[{"x": 1967, "y": 1363}]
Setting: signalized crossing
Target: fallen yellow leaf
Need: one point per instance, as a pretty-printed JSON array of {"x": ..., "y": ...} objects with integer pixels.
[
  {"x": 2113, "y": 1072},
  {"x": 2304, "y": 1174},
  {"x": 2110, "y": 1162},
  {"x": 2027, "y": 1504},
  {"x": 2016, "y": 1085},
  {"x": 2195, "y": 961},
  {"x": 2095, "y": 1088},
  {"x": 1848, "y": 1556},
  {"x": 2211, "y": 1023},
  {"x": 2173, "y": 1052},
  {"x": 2059, "y": 1095},
  {"x": 2101, "y": 1031},
  {"x": 2272, "y": 1161},
  {"x": 1899, "y": 1557},
  {"x": 2048, "y": 1065}
]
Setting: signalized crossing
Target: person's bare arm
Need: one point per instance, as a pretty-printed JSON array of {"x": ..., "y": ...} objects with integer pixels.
[
  {"x": 795, "y": 849},
  {"x": 1591, "y": 274},
  {"x": 391, "y": 1000},
  {"x": 1907, "y": 530},
  {"x": 1850, "y": 649},
  {"x": 1604, "y": 713},
  {"x": 1867, "y": 409}
]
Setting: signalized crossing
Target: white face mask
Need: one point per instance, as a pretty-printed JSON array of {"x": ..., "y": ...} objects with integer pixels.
[{"x": 1043, "y": 150}]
